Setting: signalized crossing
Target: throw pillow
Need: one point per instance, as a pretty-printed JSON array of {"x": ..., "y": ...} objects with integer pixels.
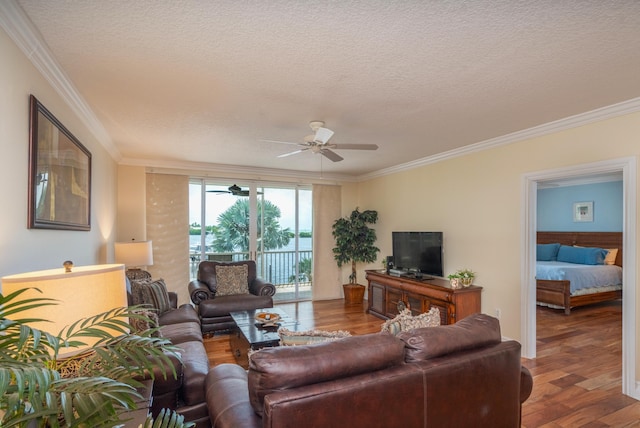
[
  {"x": 610, "y": 259},
  {"x": 547, "y": 252},
  {"x": 405, "y": 321},
  {"x": 581, "y": 255},
  {"x": 295, "y": 338},
  {"x": 232, "y": 280},
  {"x": 148, "y": 319},
  {"x": 153, "y": 293}
]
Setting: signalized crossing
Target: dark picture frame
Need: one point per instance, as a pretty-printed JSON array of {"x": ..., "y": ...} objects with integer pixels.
[{"x": 59, "y": 174}]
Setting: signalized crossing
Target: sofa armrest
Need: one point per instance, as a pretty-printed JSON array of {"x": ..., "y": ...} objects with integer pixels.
[
  {"x": 259, "y": 287},
  {"x": 173, "y": 299},
  {"x": 526, "y": 384},
  {"x": 199, "y": 291},
  {"x": 228, "y": 398}
]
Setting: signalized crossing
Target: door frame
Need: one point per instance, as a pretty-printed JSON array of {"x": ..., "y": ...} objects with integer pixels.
[{"x": 530, "y": 181}]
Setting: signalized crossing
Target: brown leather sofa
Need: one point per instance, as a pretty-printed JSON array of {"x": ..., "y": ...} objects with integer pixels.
[
  {"x": 184, "y": 393},
  {"x": 460, "y": 375},
  {"x": 214, "y": 309}
]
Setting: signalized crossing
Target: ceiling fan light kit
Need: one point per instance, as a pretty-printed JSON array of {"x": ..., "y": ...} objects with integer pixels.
[{"x": 319, "y": 143}]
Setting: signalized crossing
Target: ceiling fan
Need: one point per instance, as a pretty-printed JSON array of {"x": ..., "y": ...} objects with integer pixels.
[
  {"x": 319, "y": 143},
  {"x": 235, "y": 190}
]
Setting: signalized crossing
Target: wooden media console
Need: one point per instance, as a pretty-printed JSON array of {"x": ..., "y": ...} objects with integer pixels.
[{"x": 389, "y": 294}]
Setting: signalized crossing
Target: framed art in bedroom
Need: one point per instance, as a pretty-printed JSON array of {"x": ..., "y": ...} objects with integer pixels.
[
  {"x": 59, "y": 174},
  {"x": 583, "y": 211}
]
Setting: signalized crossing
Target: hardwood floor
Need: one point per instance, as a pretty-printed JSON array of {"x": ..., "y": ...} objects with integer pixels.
[
  {"x": 577, "y": 375},
  {"x": 578, "y": 371}
]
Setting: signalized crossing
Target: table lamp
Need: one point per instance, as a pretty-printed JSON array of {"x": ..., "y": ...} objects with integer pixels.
[
  {"x": 80, "y": 292},
  {"x": 133, "y": 255}
]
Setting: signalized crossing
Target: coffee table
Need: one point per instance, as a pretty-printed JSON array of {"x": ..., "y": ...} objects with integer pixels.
[{"x": 249, "y": 334}]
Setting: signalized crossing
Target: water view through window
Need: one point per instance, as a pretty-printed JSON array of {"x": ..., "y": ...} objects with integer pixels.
[{"x": 271, "y": 225}]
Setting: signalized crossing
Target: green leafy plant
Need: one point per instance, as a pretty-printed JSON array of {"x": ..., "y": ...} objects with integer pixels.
[
  {"x": 355, "y": 241},
  {"x": 33, "y": 389},
  {"x": 462, "y": 274},
  {"x": 462, "y": 277}
]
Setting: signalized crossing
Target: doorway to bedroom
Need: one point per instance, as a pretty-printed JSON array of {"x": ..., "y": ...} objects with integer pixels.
[{"x": 532, "y": 183}]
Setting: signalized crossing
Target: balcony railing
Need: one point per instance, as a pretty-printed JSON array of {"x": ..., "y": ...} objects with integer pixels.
[{"x": 276, "y": 267}]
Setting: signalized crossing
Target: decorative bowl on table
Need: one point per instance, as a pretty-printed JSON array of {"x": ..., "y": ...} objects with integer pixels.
[{"x": 267, "y": 318}]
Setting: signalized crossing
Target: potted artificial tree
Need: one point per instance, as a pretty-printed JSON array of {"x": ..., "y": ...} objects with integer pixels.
[{"x": 355, "y": 243}]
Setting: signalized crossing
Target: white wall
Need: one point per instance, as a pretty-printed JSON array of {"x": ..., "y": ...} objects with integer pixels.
[{"x": 23, "y": 249}]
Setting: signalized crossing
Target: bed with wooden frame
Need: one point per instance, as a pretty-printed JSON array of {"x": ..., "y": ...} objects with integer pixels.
[{"x": 558, "y": 292}]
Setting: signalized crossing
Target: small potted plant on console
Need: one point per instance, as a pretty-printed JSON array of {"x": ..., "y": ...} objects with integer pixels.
[
  {"x": 355, "y": 242},
  {"x": 462, "y": 277}
]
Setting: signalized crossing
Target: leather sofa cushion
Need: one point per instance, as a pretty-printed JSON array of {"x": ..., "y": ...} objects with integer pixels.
[
  {"x": 183, "y": 332},
  {"x": 185, "y": 313},
  {"x": 195, "y": 366},
  {"x": 165, "y": 383},
  {"x": 222, "y": 305},
  {"x": 474, "y": 331},
  {"x": 274, "y": 369}
]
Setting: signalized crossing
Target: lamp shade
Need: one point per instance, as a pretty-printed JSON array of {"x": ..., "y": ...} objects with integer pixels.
[
  {"x": 82, "y": 293},
  {"x": 134, "y": 253}
]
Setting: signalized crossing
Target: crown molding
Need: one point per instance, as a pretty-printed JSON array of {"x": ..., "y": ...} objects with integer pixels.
[
  {"x": 603, "y": 113},
  {"x": 29, "y": 40},
  {"x": 203, "y": 169}
]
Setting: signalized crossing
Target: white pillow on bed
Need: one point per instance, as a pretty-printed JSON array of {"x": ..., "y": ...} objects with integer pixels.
[{"x": 610, "y": 258}]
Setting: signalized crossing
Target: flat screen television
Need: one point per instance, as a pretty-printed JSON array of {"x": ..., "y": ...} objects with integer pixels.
[{"x": 418, "y": 252}]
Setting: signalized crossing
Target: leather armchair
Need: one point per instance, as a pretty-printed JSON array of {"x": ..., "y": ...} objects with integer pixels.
[{"x": 214, "y": 309}]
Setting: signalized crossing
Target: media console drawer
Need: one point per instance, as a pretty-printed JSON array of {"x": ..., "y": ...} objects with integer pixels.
[{"x": 386, "y": 292}]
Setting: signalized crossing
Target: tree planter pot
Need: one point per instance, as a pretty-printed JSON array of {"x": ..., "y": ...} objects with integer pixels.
[{"x": 353, "y": 294}]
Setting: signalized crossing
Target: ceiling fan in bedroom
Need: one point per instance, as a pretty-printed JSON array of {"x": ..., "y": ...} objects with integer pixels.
[
  {"x": 235, "y": 190},
  {"x": 318, "y": 142}
]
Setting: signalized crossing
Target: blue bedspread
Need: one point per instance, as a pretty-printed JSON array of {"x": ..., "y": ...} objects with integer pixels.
[{"x": 581, "y": 276}]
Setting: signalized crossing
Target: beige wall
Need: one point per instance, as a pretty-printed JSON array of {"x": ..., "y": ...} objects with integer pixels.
[
  {"x": 476, "y": 200},
  {"x": 22, "y": 249}
]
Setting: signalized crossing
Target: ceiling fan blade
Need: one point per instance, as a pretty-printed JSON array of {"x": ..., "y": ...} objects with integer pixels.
[
  {"x": 292, "y": 153},
  {"x": 355, "y": 147},
  {"x": 280, "y": 142},
  {"x": 323, "y": 135},
  {"x": 331, "y": 155},
  {"x": 218, "y": 191}
]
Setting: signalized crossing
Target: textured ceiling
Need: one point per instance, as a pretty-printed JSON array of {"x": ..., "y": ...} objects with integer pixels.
[{"x": 205, "y": 81}]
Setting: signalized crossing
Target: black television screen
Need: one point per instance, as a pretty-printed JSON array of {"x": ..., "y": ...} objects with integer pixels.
[{"x": 418, "y": 252}]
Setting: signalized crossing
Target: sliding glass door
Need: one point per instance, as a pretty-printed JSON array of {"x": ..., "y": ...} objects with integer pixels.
[{"x": 268, "y": 224}]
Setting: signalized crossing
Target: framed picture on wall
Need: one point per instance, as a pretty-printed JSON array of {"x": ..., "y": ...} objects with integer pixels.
[
  {"x": 59, "y": 174},
  {"x": 582, "y": 211}
]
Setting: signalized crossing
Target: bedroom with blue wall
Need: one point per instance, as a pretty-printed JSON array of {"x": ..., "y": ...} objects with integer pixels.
[{"x": 555, "y": 207}]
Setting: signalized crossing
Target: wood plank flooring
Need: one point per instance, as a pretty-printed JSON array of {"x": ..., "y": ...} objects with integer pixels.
[
  {"x": 577, "y": 375},
  {"x": 578, "y": 371}
]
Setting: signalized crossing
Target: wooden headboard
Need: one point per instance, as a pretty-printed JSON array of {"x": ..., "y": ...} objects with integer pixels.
[{"x": 585, "y": 239}]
